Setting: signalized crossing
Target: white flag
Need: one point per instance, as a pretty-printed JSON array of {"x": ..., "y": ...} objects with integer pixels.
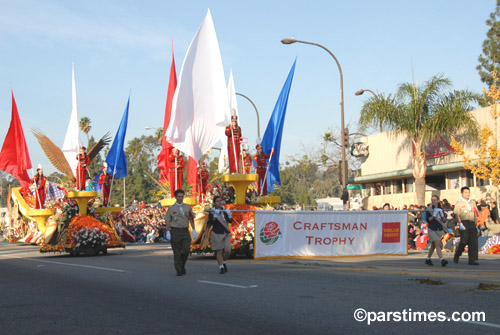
[
  {"x": 200, "y": 104},
  {"x": 72, "y": 143}
]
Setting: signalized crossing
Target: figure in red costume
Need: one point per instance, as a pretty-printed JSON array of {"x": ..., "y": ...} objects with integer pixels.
[
  {"x": 81, "y": 169},
  {"x": 203, "y": 175},
  {"x": 39, "y": 181},
  {"x": 261, "y": 167},
  {"x": 233, "y": 133},
  {"x": 247, "y": 161},
  {"x": 105, "y": 182},
  {"x": 176, "y": 169}
]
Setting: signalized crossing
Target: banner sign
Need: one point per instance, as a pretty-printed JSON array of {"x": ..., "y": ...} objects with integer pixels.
[{"x": 283, "y": 234}]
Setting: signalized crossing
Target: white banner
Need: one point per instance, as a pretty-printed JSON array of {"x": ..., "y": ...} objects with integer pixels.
[{"x": 330, "y": 234}]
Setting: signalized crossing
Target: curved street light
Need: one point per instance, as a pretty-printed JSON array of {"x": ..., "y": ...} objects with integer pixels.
[
  {"x": 343, "y": 132},
  {"x": 360, "y": 92},
  {"x": 256, "y": 111}
]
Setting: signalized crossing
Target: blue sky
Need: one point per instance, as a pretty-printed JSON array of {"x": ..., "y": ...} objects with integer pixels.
[{"x": 125, "y": 46}]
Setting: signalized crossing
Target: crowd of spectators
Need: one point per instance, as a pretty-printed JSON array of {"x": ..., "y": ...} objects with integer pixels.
[
  {"x": 417, "y": 226},
  {"x": 145, "y": 223}
]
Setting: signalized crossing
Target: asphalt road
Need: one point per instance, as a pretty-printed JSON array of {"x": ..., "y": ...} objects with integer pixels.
[{"x": 135, "y": 291}]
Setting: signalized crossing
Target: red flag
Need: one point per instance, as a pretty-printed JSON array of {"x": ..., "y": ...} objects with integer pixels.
[
  {"x": 193, "y": 176},
  {"x": 14, "y": 157},
  {"x": 166, "y": 147}
]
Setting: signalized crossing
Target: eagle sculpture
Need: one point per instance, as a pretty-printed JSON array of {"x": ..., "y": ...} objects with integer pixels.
[{"x": 56, "y": 155}]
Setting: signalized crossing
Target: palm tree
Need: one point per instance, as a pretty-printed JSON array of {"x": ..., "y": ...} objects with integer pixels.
[
  {"x": 159, "y": 136},
  {"x": 85, "y": 127},
  {"x": 423, "y": 114}
]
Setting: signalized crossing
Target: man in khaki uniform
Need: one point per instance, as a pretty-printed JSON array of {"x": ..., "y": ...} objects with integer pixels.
[
  {"x": 466, "y": 213},
  {"x": 177, "y": 219}
]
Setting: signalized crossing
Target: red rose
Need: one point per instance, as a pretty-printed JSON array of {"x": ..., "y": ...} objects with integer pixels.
[{"x": 271, "y": 229}]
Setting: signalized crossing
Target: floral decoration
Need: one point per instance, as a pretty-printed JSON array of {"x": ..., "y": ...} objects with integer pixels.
[{"x": 90, "y": 237}]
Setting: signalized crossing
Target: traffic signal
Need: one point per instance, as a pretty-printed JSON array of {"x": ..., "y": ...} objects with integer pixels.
[{"x": 345, "y": 138}]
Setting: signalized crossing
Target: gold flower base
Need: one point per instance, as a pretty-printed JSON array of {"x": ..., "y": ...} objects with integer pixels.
[
  {"x": 240, "y": 183},
  {"x": 170, "y": 201},
  {"x": 82, "y": 198},
  {"x": 40, "y": 216}
]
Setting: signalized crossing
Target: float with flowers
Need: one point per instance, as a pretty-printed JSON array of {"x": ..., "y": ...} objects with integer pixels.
[
  {"x": 243, "y": 226},
  {"x": 81, "y": 228},
  {"x": 69, "y": 224}
]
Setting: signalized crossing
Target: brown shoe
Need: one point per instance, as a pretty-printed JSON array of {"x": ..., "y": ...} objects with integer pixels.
[{"x": 473, "y": 263}]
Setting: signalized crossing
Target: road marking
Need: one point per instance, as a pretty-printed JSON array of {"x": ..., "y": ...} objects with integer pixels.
[
  {"x": 68, "y": 264},
  {"x": 224, "y": 284},
  {"x": 487, "y": 324}
]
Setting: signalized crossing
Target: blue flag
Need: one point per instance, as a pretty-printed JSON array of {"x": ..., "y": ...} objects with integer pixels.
[
  {"x": 117, "y": 162},
  {"x": 272, "y": 137}
]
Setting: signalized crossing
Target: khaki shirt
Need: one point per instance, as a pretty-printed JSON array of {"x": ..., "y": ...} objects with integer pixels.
[
  {"x": 462, "y": 210},
  {"x": 176, "y": 219}
]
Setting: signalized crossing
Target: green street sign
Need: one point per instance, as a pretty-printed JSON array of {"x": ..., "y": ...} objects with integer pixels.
[{"x": 354, "y": 187}]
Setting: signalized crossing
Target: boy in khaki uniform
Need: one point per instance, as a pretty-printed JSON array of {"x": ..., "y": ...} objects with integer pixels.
[
  {"x": 177, "y": 219},
  {"x": 466, "y": 213}
]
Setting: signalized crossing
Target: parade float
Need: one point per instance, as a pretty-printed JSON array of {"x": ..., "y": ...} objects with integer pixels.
[
  {"x": 243, "y": 226},
  {"x": 59, "y": 219},
  {"x": 70, "y": 224}
]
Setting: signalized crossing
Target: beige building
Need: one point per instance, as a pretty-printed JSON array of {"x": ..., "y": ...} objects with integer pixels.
[{"x": 387, "y": 174}]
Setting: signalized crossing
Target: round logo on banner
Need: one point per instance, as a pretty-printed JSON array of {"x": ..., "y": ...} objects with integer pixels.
[{"x": 270, "y": 233}]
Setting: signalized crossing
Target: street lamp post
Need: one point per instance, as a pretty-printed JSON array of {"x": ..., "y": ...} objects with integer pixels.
[
  {"x": 342, "y": 130},
  {"x": 256, "y": 111}
]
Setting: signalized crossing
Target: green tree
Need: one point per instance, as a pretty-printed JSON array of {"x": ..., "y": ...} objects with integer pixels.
[
  {"x": 57, "y": 177},
  {"x": 297, "y": 182},
  {"x": 423, "y": 114},
  {"x": 85, "y": 127},
  {"x": 374, "y": 117},
  {"x": 6, "y": 180},
  {"x": 489, "y": 59},
  {"x": 141, "y": 182}
]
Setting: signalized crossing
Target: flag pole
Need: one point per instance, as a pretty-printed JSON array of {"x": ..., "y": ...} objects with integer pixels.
[
  {"x": 267, "y": 169},
  {"x": 37, "y": 195},
  {"x": 78, "y": 173},
  {"x": 111, "y": 187},
  {"x": 198, "y": 177},
  {"x": 242, "y": 162},
  {"x": 234, "y": 151},
  {"x": 175, "y": 173}
]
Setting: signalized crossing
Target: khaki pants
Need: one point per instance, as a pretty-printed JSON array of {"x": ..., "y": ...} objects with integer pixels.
[
  {"x": 181, "y": 246},
  {"x": 468, "y": 237}
]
